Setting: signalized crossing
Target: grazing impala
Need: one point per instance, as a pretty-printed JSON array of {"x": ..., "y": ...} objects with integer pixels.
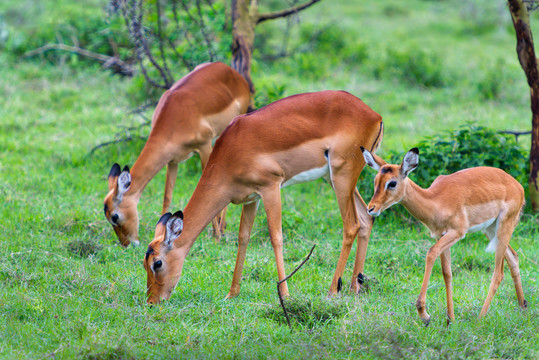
[
  {"x": 187, "y": 118},
  {"x": 478, "y": 199},
  {"x": 296, "y": 139}
]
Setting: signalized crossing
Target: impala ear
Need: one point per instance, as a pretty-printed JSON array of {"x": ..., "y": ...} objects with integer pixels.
[
  {"x": 124, "y": 182},
  {"x": 113, "y": 174},
  {"x": 372, "y": 160},
  {"x": 410, "y": 161},
  {"x": 174, "y": 227}
]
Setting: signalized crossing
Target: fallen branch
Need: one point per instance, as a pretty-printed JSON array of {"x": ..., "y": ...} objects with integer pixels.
[
  {"x": 113, "y": 62},
  {"x": 286, "y": 278}
]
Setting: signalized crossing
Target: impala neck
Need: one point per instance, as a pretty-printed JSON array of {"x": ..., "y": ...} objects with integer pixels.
[
  {"x": 150, "y": 161},
  {"x": 419, "y": 202},
  {"x": 207, "y": 201}
]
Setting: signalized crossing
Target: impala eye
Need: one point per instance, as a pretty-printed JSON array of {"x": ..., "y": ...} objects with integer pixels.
[
  {"x": 392, "y": 184},
  {"x": 157, "y": 264},
  {"x": 114, "y": 219}
]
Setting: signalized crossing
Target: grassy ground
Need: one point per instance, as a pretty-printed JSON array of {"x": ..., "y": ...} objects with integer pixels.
[{"x": 69, "y": 291}]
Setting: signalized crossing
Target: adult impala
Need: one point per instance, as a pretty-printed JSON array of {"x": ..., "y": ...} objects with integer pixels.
[
  {"x": 477, "y": 199},
  {"x": 187, "y": 118},
  {"x": 296, "y": 139}
]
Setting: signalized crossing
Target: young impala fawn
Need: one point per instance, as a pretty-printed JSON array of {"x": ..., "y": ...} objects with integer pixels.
[
  {"x": 296, "y": 139},
  {"x": 187, "y": 118},
  {"x": 477, "y": 199}
]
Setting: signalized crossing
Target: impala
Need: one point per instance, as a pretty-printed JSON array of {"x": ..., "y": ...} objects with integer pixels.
[
  {"x": 296, "y": 139},
  {"x": 187, "y": 118},
  {"x": 477, "y": 199}
]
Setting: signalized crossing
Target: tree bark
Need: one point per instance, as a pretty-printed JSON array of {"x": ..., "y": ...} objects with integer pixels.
[
  {"x": 528, "y": 61},
  {"x": 245, "y": 17}
]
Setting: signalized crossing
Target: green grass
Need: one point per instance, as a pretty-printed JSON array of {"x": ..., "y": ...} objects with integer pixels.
[{"x": 68, "y": 290}]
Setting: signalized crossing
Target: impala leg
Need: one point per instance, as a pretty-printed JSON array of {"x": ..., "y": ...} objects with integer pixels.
[
  {"x": 366, "y": 221},
  {"x": 218, "y": 223},
  {"x": 344, "y": 189},
  {"x": 172, "y": 173},
  {"x": 248, "y": 215},
  {"x": 445, "y": 242},
  {"x": 512, "y": 261},
  {"x": 445, "y": 258},
  {"x": 272, "y": 205},
  {"x": 504, "y": 232}
]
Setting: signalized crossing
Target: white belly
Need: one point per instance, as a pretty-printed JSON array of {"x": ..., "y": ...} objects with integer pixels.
[{"x": 309, "y": 175}]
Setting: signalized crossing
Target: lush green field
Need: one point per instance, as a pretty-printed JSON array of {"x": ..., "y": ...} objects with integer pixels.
[{"x": 68, "y": 290}]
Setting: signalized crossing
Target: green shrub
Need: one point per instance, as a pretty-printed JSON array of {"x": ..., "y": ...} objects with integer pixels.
[
  {"x": 413, "y": 65},
  {"x": 492, "y": 81}
]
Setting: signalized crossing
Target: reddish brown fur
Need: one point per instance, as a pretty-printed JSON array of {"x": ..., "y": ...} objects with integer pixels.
[
  {"x": 188, "y": 116},
  {"x": 259, "y": 152},
  {"x": 450, "y": 208}
]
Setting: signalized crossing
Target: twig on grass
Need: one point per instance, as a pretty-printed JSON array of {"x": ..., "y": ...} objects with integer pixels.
[{"x": 288, "y": 277}]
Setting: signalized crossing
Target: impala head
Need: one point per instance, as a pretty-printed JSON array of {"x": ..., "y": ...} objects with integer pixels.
[
  {"x": 163, "y": 261},
  {"x": 120, "y": 210},
  {"x": 390, "y": 182}
]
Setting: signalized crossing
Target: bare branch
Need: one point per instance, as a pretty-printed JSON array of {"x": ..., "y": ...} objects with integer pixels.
[
  {"x": 516, "y": 133},
  {"x": 108, "y": 61},
  {"x": 117, "y": 141},
  {"x": 286, "y": 12},
  {"x": 288, "y": 277}
]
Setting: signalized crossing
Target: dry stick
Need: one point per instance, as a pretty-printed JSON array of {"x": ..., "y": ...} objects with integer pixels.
[{"x": 286, "y": 278}]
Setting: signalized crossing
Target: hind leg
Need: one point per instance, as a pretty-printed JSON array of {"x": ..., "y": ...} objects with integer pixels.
[
  {"x": 504, "y": 230},
  {"x": 512, "y": 261}
]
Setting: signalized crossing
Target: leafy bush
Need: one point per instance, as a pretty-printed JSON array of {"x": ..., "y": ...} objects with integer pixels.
[
  {"x": 491, "y": 82},
  {"x": 413, "y": 65}
]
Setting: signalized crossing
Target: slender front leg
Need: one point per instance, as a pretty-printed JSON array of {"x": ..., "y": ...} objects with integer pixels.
[
  {"x": 445, "y": 242},
  {"x": 445, "y": 258},
  {"x": 172, "y": 173},
  {"x": 366, "y": 221},
  {"x": 271, "y": 198},
  {"x": 248, "y": 215},
  {"x": 218, "y": 223},
  {"x": 344, "y": 189}
]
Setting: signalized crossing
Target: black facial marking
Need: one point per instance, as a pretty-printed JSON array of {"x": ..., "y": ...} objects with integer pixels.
[
  {"x": 386, "y": 170},
  {"x": 149, "y": 252},
  {"x": 326, "y": 154},
  {"x": 339, "y": 285},
  {"x": 360, "y": 279}
]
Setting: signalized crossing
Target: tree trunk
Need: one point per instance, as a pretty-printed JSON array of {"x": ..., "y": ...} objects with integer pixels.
[
  {"x": 244, "y": 20},
  {"x": 528, "y": 61}
]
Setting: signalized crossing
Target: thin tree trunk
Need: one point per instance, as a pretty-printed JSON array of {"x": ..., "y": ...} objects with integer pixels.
[
  {"x": 244, "y": 19},
  {"x": 528, "y": 61}
]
